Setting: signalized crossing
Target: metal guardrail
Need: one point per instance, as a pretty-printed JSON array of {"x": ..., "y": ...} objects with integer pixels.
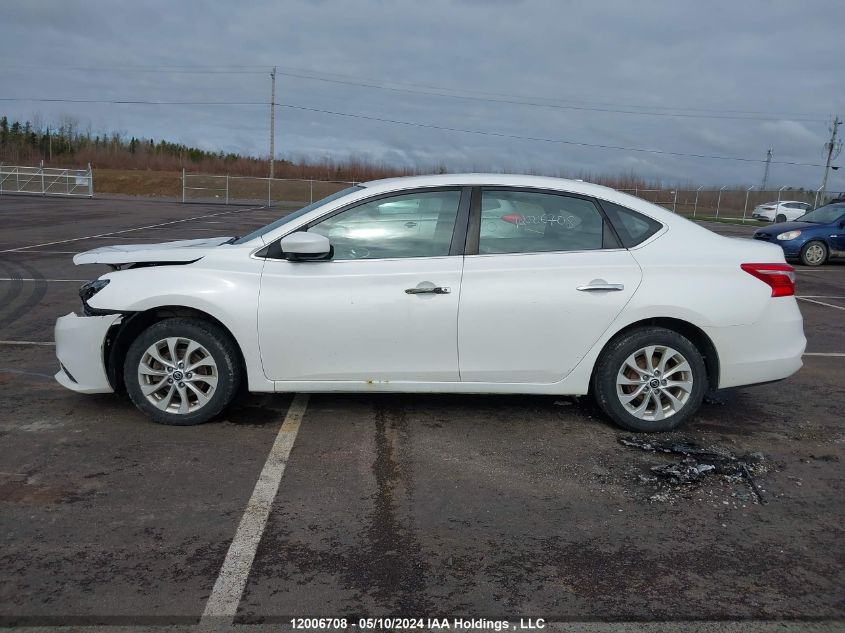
[
  {"x": 46, "y": 181},
  {"x": 249, "y": 189}
]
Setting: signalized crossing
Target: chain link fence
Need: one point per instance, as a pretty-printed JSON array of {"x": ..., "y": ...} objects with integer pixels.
[
  {"x": 735, "y": 203},
  {"x": 285, "y": 192},
  {"x": 46, "y": 181}
]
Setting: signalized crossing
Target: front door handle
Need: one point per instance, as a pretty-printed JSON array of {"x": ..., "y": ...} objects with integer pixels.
[
  {"x": 594, "y": 287},
  {"x": 410, "y": 225},
  {"x": 433, "y": 290}
]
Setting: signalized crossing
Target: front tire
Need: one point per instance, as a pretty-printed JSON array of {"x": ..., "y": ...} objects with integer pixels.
[
  {"x": 780, "y": 218},
  {"x": 813, "y": 253},
  {"x": 650, "y": 379},
  {"x": 182, "y": 371}
]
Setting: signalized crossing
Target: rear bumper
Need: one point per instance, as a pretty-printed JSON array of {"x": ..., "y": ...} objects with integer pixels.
[
  {"x": 80, "y": 342},
  {"x": 768, "y": 350}
]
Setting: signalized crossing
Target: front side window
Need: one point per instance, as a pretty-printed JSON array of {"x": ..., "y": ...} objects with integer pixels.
[
  {"x": 534, "y": 222},
  {"x": 298, "y": 214},
  {"x": 418, "y": 224}
]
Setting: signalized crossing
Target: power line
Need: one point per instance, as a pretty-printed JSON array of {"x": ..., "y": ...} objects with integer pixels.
[
  {"x": 420, "y": 125},
  {"x": 213, "y": 70},
  {"x": 557, "y": 106},
  {"x": 541, "y": 139},
  {"x": 440, "y": 91},
  {"x": 137, "y": 101},
  {"x": 553, "y": 99}
]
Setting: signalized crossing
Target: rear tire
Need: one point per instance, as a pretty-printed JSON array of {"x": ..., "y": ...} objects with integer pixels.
[
  {"x": 780, "y": 218},
  {"x": 182, "y": 371},
  {"x": 813, "y": 253},
  {"x": 650, "y": 379}
]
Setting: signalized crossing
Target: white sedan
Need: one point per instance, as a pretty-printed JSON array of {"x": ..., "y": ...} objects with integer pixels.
[
  {"x": 451, "y": 283},
  {"x": 783, "y": 211}
]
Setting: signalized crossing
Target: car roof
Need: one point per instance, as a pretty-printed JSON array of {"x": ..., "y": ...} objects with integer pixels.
[
  {"x": 509, "y": 180},
  {"x": 372, "y": 188}
]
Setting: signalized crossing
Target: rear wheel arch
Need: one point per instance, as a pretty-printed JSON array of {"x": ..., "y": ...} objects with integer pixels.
[
  {"x": 695, "y": 334},
  {"x": 120, "y": 337}
]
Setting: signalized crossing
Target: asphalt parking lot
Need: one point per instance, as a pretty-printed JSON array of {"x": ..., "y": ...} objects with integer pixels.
[{"x": 435, "y": 506}]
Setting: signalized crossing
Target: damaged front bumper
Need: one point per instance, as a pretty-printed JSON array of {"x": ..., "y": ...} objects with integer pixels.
[{"x": 80, "y": 348}]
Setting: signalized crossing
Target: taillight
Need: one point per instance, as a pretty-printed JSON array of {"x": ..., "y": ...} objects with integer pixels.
[
  {"x": 514, "y": 218},
  {"x": 780, "y": 277}
]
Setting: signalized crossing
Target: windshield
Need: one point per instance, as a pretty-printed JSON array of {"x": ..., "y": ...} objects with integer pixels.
[
  {"x": 296, "y": 214},
  {"x": 824, "y": 215}
]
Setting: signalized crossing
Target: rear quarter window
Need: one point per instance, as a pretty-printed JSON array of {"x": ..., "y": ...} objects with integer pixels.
[{"x": 633, "y": 228}]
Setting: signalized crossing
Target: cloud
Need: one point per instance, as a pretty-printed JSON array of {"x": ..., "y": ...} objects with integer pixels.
[{"x": 665, "y": 56}]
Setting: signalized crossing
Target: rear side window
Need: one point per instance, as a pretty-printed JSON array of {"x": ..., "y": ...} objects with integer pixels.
[
  {"x": 633, "y": 228},
  {"x": 514, "y": 221}
]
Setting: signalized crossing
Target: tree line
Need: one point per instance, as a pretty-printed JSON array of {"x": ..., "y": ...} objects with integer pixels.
[{"x": 67, "y": 144}]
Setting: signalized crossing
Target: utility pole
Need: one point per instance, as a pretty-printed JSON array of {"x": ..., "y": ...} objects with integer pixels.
[
  {"x": 766, "y": 170},
  {"x": 272, "y": 119},
  {"x": 832, "y": 147}
]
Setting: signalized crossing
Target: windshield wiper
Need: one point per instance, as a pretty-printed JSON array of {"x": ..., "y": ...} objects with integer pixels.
[{"x": 232, "y": 240}]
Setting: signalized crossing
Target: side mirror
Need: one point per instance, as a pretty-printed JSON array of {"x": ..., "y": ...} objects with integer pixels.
[{"x": 304, "y": 246}]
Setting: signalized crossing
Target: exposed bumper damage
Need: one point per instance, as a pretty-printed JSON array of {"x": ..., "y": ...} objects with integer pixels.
[{"x": 77, "y": 340}]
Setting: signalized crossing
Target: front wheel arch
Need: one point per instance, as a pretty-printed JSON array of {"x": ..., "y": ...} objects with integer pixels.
[
  {"x": 695, "y": 334},
  {"x": 120, "y": 337}
]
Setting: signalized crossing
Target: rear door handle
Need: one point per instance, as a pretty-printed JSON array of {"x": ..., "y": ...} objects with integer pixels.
[
  {"x": 594, "y": 287},
  {"x": 410, "y": 225},
  {"x": 435, "y": 290}
]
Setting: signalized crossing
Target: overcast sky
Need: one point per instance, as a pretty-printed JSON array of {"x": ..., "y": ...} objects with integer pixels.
[{"x": 776, "y": 64}]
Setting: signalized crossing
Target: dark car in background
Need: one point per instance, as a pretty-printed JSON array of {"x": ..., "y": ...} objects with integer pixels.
[{"x": 814, "y": 238}]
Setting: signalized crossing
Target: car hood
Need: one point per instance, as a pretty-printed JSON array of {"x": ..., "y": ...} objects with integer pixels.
[
  {"x": 179, "y": 251},
  {"x": 781, "y": 227}
]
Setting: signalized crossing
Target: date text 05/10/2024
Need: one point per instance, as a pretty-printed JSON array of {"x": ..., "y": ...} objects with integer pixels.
[{"x": 376, "y": 624}]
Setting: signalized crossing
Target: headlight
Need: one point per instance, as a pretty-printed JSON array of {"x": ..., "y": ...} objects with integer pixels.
[
  {"x": 86, "y": 291},
  {"x": 789, "y": 235}
]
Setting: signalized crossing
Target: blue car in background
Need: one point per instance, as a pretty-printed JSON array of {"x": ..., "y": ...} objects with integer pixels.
[{"x": 814, "y": 238}]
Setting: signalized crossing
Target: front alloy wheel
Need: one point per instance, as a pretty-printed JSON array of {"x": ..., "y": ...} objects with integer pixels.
[
  {"x": 177, "y": 375},
  {"x": 182, "y": 371}
]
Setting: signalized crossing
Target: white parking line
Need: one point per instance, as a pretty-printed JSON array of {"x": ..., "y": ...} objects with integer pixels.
[
  {"x": 817, "y": 297},
  {"x": 139, "y": 228},
  {"x": 30, "y": 279},
  {"x": 832, "y": 354},
  {"x": 47, "y": 343},
  {"x": 229, "y": 587},
  {"x": 821, "y": 303},
  {"x": 45, "y": 252}
]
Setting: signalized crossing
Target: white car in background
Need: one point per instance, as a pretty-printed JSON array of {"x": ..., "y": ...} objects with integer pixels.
[
  {"x": 451, "y": 283},
  {"x": 783, "y": 211}
]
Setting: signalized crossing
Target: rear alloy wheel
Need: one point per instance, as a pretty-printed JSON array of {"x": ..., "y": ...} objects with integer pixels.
[
  {"x": 813, "y": 253},
  {"x": 650, "y": 379},
  {"x": 780, "y": 218},
  {"x": 181, "y": 371}
]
